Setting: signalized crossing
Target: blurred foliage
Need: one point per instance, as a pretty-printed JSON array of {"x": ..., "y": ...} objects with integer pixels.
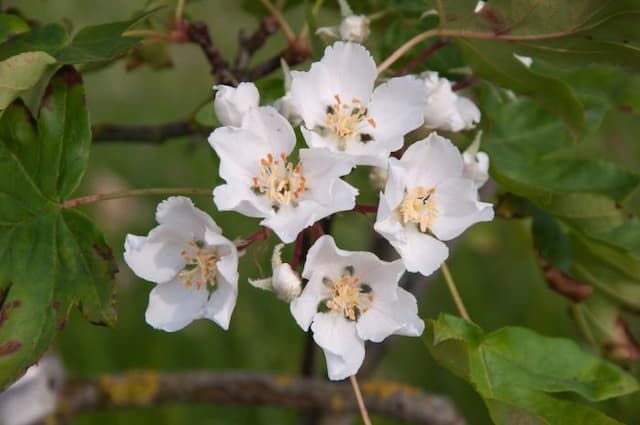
[{"x": 567, "y": 155}]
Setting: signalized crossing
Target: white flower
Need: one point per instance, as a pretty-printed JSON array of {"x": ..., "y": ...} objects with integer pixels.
[
  {"x": 445, "y": 109},
  {"x": 263, "y": 182},
  {"x": 476, "y": 163},
  {"x": 284, "y": 105},
  {"x": 34, "y": 396},
  {"x": 354, "y": 28},
  {"x": 343, "y": 113},
  {"x": 194, "y": 266},
  {"x": 352, "y": 297},
  {"x": 232, "y": 103},
  {"x": 285, "y": 283},
  {"x": 428, "y": 199}
]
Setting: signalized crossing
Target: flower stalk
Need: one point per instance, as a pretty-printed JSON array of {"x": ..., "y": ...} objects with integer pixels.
[{"x": 99, "y": 197}]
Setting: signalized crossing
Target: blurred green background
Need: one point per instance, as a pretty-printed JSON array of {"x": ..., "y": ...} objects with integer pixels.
[{"x": 493, "y": 263}]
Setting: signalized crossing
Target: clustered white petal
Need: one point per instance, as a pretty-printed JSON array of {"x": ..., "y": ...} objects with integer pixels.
[
  {"x": 194, "y": 266},
  {"x": 352, "y": 297},
  {"x": 430, "y": 196}
]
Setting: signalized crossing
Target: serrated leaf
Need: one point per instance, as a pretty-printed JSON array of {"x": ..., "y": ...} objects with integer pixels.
[
  {"x": 516, "y": 371},
  {"x": 51, "y": 259},
  {"x": 21, "y": 72}
]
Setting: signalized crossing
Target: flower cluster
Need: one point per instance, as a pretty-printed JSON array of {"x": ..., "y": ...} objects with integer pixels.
[{"x": 430, "y": 196}]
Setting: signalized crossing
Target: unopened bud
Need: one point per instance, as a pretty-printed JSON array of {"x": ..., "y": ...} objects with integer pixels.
[
  {"x": 232, "y": 103},
  {"x": 355, "y": 28}
]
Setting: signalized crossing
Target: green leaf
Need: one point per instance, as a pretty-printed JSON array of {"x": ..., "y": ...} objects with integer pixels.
[
  {"x": 11, "y": 24},
  {"x": 51, "y": 259},
  {"x": 569, "y": 33},
  {"x": 48, "y": 38},
  {"x": 516, "y": 371},
  {"x": 21, "y": 72},
  {"x": 101, "y": 42}
]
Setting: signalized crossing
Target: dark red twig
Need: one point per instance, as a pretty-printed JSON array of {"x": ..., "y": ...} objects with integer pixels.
[
  {"x": 422, "y": 56},
  {"x": 297, "y": 251},
  {"x": 461, "y": 85},
  {"x": 371, "y": 209},
  {"x": 261, "y": 234},
  {"x": 198, "y": 33}
]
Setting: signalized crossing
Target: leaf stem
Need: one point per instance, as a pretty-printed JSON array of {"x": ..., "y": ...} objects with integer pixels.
[
  {"x": 402, "y": 50},
  {"x": 454, "y": 291},
  {"x": 90, "y": 199},
  {"x": 363, "y": 409},
  {"x": 278, "y": 16},
  {"x": 179, "y": 12}
]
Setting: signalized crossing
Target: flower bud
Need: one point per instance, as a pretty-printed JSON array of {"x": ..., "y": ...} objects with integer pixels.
[
  {"x": 445, "y": 109},
  {"x": 286, "y": 283},
  {"x": 476, "y": 164},
  {"x": 355, "y": 28},
  {"x": 232, "y": 103}
]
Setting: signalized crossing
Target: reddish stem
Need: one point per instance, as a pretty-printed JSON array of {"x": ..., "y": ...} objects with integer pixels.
[
  {"x": 261, "y": 234},
  {"x": 366, "y": 209},
  {"x": 467, "y": 82},
  {"x": 434, "y": 47},
  {"x": 297, "y": 251}
]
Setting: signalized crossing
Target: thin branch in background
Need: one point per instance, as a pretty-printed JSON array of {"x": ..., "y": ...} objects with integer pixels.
[
  {"x": 90, "y": 199},
  {"x": 198, "y": 33},
  {"x": 249, "y": 45},
  {"x": 461, "y": 85},
  {"x": 293, "y": 55},
  {"x": 282, "y": 22},
  {"x": 422, "y": 56},
  {"x": 147, "y": 133},
  {"x": 145, "y": 389}
]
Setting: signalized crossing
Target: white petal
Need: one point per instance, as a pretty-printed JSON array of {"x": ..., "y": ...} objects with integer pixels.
[
  {"x": 387, "y": 222},
  {"x": 468, "y": 111},
  {"x": 272, "y": 127},
  {"x": 311, "y": 93},
  {"x": 432, "y": 160},
  {"x": 172, "y": 306},
  {"x": 476, "y": 167},
  {"x": 305, "y": 307},
  {"x": 229, "y": 197},
  {"x": 232, "y": 103},
  {"x": 343, "y": 199},
  {"x": 240, "y": 151},
  {"x": 458, "y": 208},
  {"x": 352, "y": 71},
  {"x": 421, "y": 253},
  {"x": 395, "y": 186},
  {"x": 155, "y": 258},
  {"x": 397, "y": 107},
  {"x": 322, "y": 253},
  {"x": 222, "y": 302},
  {"x": 388, "y": 317},
  {"x": 179, "y": 213},
  {"x": 289, "y": 220},
  {"x": 286, "y": 283},
  {"x": 338, "y": 336},
  {"x": 383, "y": 277},
  {"x": 322, "y": 169},
  {"x": 355, "y": 28}
]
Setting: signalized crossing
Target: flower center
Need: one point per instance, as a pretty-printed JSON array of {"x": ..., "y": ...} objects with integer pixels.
[
  {"x": 200, "y": 265},
  {"x": 350, "y": 297},
  {"x": 418, "y": 206},
  {"x": 279, "y": 181},
  {"x": 342, "y": 119}
]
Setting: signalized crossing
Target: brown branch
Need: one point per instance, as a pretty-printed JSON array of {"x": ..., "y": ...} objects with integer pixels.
[
  {"x": 422, "y": 56},
  {"x": 144, "y": 389},
  {"x": 147, "y": 133},
  {"x": 198, "y": 33},
  {"x": 295, "y": 54},
  {"x": 249, "y": 45},
  {"x": 564, "y": 284}
]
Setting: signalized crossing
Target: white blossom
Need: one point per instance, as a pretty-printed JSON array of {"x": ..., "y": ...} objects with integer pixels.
[
  {"x": 427, "y": 200},
  {"x": 194, "y": 266},
  {"x": 476, "y": 163},
  {"x": 446, "y": 110},
  {"x": 352, "y": 297},
  {"x": 285, "y": 283},
  {"x": 342, "y": 112},
  {"x": 284, "y": 105},
  {"x": 34, "y": 396},
  {"x": 262, "y": 181},
  {"x": 354, "y": 28},
  {"x": 232, "y": 103}
]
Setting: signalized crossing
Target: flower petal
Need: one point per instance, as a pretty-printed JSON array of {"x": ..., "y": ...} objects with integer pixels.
[
  {"x": 179, "y": 214},
  {"x": 222, "y": 302},
  {"x": 352, "y": 70},
  {"x": 421, "y": 253},
  {"x": 229, "y": 197},
  {"x": 232, "y": 103},
  {"x": 273, "y": 128},
  {"x": 321, "y": 169},
  {"x": 458, "y": 208},
  {"x": 338, "y": 336},
  {"x": 290, "y": 220},
  {"x": 172, "y": 305},
  {"x": 397, "y": 107},
  {"x": 155, "y": 258},
  {"x": 305, "y": 307},
  {"x": 432, "y": 160},
  {"x": 388, "y": 317},
  {"x": 382, "y": 277},
  {"x": 311, "y": 93}
]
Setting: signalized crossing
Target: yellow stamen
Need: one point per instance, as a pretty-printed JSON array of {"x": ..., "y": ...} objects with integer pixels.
[
  {"x": 350, "y": 296},
  {"x": 342, "y": 119},
  {"x": 418, "y": 206},
  {"x": 280, "y": 181},
  {"x": 200, "y": 265}
]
